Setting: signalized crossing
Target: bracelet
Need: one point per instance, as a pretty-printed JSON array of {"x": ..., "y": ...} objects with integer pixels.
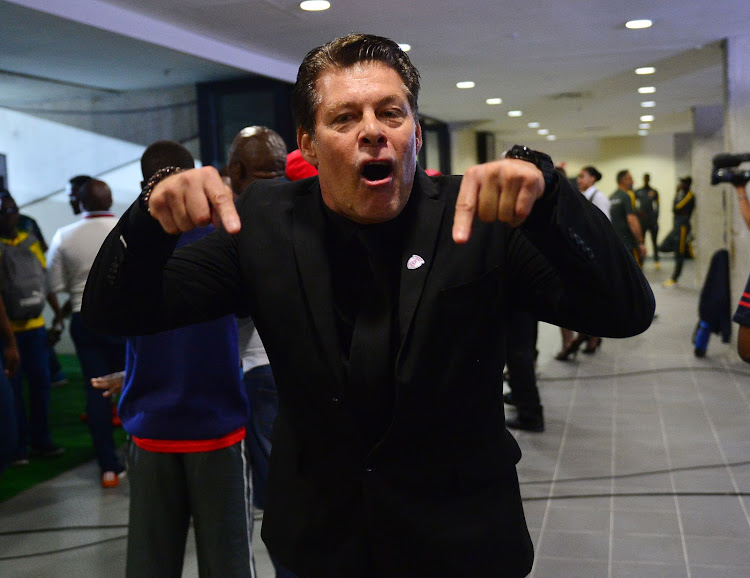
[{"x": 155, "y": 179}]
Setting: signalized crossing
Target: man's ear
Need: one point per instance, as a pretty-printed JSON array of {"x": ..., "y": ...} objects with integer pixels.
[
  {"x": 236, "y": 172},
  {"x": 306, "y": 146},
  {"x": 419, "y": 137}
]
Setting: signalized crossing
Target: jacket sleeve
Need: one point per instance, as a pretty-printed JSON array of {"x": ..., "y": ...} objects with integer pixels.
[
  {"x": 572, "y": 270},
  {"x": 139, "y": 284}
]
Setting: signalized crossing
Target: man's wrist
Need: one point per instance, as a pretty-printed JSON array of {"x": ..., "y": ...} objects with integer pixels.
[
  {"x": 156, "y": 178},
  {"x": 542, "y": 161}
]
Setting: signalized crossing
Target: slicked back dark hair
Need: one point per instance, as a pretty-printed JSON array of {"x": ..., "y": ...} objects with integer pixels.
[
  {"x": 165, "y": 153},
  {"x": 342, "y": 53},
  {"x": 593, "y": 172}
]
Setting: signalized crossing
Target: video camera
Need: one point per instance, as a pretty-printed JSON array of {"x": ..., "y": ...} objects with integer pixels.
[{"x": 725, "y": 169}]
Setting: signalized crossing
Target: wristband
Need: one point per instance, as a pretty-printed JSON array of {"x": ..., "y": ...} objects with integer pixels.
[
  {"x": 541, "y": 160},
  {"x": 155, "y": 179}
]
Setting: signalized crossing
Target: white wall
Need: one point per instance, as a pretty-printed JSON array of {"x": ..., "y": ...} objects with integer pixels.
[
  {"x": 42, "y": 155},
  {"x": 653, "y": 154}
]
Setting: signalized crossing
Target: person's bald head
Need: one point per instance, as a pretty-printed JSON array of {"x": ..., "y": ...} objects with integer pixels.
[
  {"x": 256, "y": 153},
  {"x": 95, "y": 195}
]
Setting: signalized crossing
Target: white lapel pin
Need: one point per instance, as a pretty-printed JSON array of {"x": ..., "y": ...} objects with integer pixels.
[{"x": 414, "y": 262}]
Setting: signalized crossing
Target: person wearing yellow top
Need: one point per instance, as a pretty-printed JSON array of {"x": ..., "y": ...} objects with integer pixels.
[
  {"x": 31, "y": 338},
  {"x": 682, "y": 208}
]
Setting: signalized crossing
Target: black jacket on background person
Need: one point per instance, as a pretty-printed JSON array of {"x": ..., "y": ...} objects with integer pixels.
[{"x": 438, "y": 494}]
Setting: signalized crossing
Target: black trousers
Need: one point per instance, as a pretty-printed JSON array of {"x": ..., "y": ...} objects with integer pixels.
[
  {"x": 520, "y": 355},
  {"x": 683, "y": 230},
  {"x": 213, "y": 488}
]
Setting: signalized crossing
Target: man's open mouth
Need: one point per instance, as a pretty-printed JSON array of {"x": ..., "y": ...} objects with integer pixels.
[{"x": 377, "y": 171}]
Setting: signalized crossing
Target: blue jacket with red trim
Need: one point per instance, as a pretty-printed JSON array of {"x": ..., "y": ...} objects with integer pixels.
[{"x": 185, "y": 384}]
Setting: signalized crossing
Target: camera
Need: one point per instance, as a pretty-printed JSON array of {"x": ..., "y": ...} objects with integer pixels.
[{"x": 726, "y": 169}]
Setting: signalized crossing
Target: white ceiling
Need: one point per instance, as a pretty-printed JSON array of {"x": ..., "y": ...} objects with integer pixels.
[{"x": 567, "y": 64}]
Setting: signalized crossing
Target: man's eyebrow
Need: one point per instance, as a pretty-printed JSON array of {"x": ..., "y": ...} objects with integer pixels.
[{"x": 339, "y": 104}]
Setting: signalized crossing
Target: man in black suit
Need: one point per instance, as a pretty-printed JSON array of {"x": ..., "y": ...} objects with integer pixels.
[{"x": 382, "y": 303}]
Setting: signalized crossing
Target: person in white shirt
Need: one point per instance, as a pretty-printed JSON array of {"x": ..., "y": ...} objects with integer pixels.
[
  {"x": 71, "y": 254},
  {"x": 586, "y": 179},
  {"x": 586, "y": 184}
]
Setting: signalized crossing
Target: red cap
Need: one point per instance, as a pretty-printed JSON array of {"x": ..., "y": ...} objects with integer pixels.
[{"x": 298, "y": 168}]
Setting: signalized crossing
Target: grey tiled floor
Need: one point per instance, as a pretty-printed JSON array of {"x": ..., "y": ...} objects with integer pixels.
[
  {"x": 638, "y": 472},
  {"x": 646, "y": 450}
]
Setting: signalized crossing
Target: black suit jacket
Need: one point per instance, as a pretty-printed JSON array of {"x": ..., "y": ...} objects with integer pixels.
[{"x": 438, "y": 494}]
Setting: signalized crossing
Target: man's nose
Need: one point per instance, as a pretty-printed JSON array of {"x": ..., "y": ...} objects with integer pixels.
[{"x": 372, "y": 131}]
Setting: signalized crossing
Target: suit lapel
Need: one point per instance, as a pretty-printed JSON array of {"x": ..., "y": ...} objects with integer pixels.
[
  {"x": 315, "y": 272},
  {"x": 419, "y": 248}
]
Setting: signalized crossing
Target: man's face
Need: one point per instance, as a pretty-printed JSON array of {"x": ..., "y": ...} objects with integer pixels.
[
  {"x": 9, "y": 215},
  {"x": 75, "y": 202},
  {"x": 366, "y": 142},
  {"x": 627, "y": 181},
  {"x": 584, "y": 180}
]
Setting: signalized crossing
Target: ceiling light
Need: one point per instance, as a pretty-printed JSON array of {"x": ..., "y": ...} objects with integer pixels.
[
  {"x": 638, "y": 24},
  {"x": 644, "y": 125},
  {"x": 645, "y": 70},
  {"x": 494, "y": 101},
  {"x": 542, "y": 131},
  {"x": 648, "y": 104},
  {"x": 534, "y": 124},
  {"x": 647, "y": 89},
  {"x": 315, "y": 5},
  {"x": 465, "y": 84},
  {"x": 551, "y": 137},
  {"x": 405, "y": 47},
  {"x": 643, "y": 132},
  {"x": 515, "y": 113},
  {"x": 647, "y": 118}
]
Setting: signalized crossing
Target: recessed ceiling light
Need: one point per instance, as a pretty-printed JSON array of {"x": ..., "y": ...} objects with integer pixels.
[
  {"x": 515, "y": 113},
  {"x": 645, "y": 70},
  {"x": 648, "y": 104},
  {"x": 465, "y": 84},
  {"x": 534, "y": 124},
  {"x": 551, "y": 137},
  {"x": 647, "y": 118},
  {"x": 542, "y": 131},
  {"x": 494, "y": 101},
  {"x": 315, "y": 5},
  {"x": 405, "y": 47},
  {"x": 643, "y": 132},
  {"x": 647, "y": 89},
  {"x": 638, "y": 24},
  {"x": 644, "y": 125}
]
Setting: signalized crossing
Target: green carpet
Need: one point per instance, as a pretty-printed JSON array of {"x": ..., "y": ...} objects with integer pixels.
[{"x": 66, "y": 405}]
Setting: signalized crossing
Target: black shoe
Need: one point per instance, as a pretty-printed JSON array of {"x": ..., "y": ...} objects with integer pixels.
[
  {"x": 528, "y": 422},
  {"x": 572, "y": 348},
  {"x": 52, "y": 451}
]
